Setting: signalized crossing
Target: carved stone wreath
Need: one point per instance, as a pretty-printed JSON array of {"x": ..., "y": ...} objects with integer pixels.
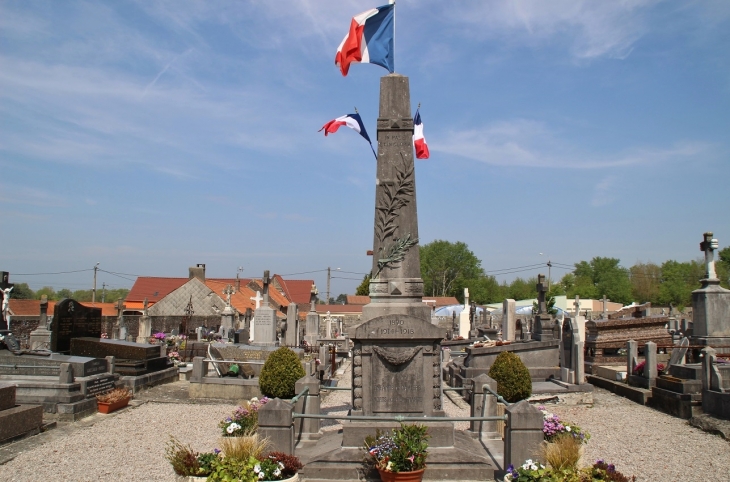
[{"x": 396, "y": 356}]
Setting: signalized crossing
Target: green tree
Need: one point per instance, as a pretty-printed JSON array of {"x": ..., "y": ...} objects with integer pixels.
[
  {"x": 678, "y": 282},
  {"x": 21, "y": 291},
  {"x": 521, "y": 289},
  {"x": 48, "y": 291},
  {"x": 645, "y": 281},
  {"x": 445, "y": 266},
  {"x": 83, "y": 295},
  {"x": 341, "y": 299},
  {"x": 484, "y": 290},
  {"x": 64, "y": 293},
  {"x": 602, "y": 276},
  {"x": 722, "y": 266},
  {"x": 364, "y": 288},
  {"x": 112, "y": 296}
]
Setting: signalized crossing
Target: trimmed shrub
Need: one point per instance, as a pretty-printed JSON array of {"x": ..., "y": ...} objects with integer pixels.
[
  {"x": 279, "y": 374},
  {"x": 512, "y": 376}
]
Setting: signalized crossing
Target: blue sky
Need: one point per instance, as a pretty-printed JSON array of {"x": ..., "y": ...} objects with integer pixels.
[{"x": 150, "y": 136}]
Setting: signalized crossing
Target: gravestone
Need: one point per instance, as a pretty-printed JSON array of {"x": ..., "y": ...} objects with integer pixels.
[
  {"x": 227, "y": 314},
  {"x": 328, "y": 325},
  {"x": 5, "y": 288},
  {"x": 543, "y": 320},
  {"x": 145, "y": 325},
  {"x": 130, "y": 358},
  {"x": 677, "y": 357},
  {"x": 571, "y": 354},
  {"x": 464, "y": 325},
  {"x": 265, "y": 319},
  {"x": 256, "y": 299},
  {"x": 711, "y": 304},
  {"x": 72, "y": 320},
  {"x": 580, "y": 320},
  {"x": 311, "y": 333},
  {"x": 291, "y": 333},
  {"x": 40, "y": 338},
  {"x": 508, "y": 320}
]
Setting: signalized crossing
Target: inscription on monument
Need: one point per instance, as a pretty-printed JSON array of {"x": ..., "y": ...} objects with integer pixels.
[
  {"x": 71, "y": 319},
  {"x": 99, "y": 385},
  {"x": 397, "y": 387}
]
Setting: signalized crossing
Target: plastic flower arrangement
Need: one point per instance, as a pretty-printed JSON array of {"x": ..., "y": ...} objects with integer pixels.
[
  {"x": 159, "y": 337},
  {"x": 174, "y": 357},
  {"x": 405, "y": 450},
  {"x": 104, "y": 335},
  {"x": 533, "y": 471},
  {"x": 244, "y": 419},
  {"x": 553, "y": 427},
  {"x": 639, "y": 368}
]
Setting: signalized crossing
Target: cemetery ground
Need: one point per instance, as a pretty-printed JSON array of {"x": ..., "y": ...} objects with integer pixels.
[{"x": 129, "y": 444}]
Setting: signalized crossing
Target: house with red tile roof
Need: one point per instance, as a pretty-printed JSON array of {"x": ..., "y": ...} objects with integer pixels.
[{"x": 33, "y": 307}]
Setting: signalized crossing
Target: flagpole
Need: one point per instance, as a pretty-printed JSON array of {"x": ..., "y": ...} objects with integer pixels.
[{"x": 393, "y": 3}]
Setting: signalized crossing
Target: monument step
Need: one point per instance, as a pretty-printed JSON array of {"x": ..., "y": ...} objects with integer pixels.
[{"x": 466, "y": 461}]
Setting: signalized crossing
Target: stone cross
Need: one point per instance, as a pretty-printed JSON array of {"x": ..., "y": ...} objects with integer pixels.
[
  {"x": 541, "y": 290},
  {"x": 228, "y": 292},
  {"x": 120, "y": 308},
  {"x": 605, "y": 307},
  {"x": 709, "y": 245},
  {"x": 144, "y": 309},
  {"x": 257, "y": 299},
  {"x": 313, "y": 298},
  {"x": 576, "y": 305},
  {"x": 466, "y": 298},
  {"x": 266, "y": 280}
]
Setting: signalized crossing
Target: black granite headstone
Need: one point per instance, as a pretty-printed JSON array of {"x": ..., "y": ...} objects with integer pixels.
[
  {"x": 71, "y": 320},
  {"x": 567, "y": 343}
]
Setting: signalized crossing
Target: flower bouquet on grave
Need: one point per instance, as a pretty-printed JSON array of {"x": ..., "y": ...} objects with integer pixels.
[
  {"x": 188, "y": 463},
  {"x": 639, "y": 368},
  {"x": 277, "y": 466},
  {"x": 174, "y": 357},
  {"x": 553, "y": 427},
  {"x": 113, "y": 400},
  {"x": 400, "y": 455},
  {"x": 244, "y": 419},
  {"x": 157, "y": 338}
]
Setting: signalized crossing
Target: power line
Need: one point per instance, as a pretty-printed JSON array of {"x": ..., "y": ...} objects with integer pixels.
[
  {"x": 60, "y": 272},
  {"x": 304, "y": 272},
  {"x": 117, "y": 275}
]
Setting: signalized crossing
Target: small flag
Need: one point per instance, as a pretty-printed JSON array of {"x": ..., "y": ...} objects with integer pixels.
[
  {"x": 419, "y": 142},
  {"x": 370, "y": 40},
  {"x": 353, "y": 121}
]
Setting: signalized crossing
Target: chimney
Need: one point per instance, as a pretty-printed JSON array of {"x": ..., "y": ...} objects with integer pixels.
[{"x": 197, "y": 272}]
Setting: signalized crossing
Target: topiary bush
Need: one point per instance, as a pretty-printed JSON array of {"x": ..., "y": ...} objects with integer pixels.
[
  {"x": 279, "y": 374},
  {"x": 512, "y": 376}
]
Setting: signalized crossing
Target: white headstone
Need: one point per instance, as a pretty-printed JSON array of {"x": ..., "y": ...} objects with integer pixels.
[
  {"x": 464, "y": 324},
  {"x": 508, "y": 320}
]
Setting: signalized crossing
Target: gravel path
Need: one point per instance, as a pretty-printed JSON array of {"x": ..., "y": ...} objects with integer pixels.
[
  {"x": 645, "y": 442},
  {"x": 130, "y": 444}
]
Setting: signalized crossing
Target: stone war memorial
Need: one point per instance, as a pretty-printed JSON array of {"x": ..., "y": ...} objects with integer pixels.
[{"x": 397, "y": 354}]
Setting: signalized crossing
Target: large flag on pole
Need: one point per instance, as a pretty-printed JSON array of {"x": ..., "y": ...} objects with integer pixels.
[
  {"x": 370, "y": 40},
  {"x": 419, "y": 142},
  {"x": 353, "y": 121}
]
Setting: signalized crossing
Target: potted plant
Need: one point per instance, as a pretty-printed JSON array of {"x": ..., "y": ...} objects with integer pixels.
[
  {"x": 113, "y": 400},
  {"x": 400, "y": 456},
  {"x": 188, "y": 464},
  {"x": 238, "y": 459},
  {"x": 278, "y": 466},
  {"x": 244, "y": 419}
]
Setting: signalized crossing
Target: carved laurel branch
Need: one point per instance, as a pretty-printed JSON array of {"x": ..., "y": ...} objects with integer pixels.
[
  {"x": 394, "y": 196},
  {"x": 396, "y": 356},
  {"x": 396, "y": 253}
]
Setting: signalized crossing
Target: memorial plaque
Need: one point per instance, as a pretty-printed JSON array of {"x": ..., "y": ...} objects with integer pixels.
[
  {"x": 98, "y": 385},
  {"x": 265, "y": 326},
  {"x": 397, "y": 386},
  {"x": 71, "y": 320}
]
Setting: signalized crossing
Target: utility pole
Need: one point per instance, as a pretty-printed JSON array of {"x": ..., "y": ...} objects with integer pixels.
[
  {"x": 103, "y": 292},
  {"x": 93, "y": 292},
  {"x": 328, "y": 284},
  {"x": 550, "y": 265}
]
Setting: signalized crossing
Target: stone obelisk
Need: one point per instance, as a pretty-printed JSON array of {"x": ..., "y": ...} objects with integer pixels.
[
  {"x": 396, "y": 362},
  {"x": 396, "y": 286}
]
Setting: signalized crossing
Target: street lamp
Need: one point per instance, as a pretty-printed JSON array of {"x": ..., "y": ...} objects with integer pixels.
[
  {"x": 329, "y": 275},
  {"x": 549, "y": 265}
]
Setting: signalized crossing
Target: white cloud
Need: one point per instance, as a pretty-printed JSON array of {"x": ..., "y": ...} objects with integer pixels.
[
  {"x": 25, "y": 195},
  {"x": 527, "y": 143},
  {"x": 603, "y": 193}
]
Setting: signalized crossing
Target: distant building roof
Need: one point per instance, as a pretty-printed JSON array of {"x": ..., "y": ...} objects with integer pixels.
[
  {"x": 439, "y": 300},
  {"x": 33, "y": 307}
]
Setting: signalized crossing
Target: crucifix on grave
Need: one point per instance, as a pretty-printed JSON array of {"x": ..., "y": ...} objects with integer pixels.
[
  {"x": 257, "y": 299},
  {"x": 543, "y": 320},
  {"x": 709, "y": 245},
  {"x": 5, "y": 287},
  {"x": 265, "y": 318},
  {"x": 228, "y": 292},
  {"x": 605, "y": 301},
  {"x": 576, "y": 306}
]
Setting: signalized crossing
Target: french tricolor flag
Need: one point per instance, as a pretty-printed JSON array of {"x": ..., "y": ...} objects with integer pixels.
[
  {"x": 353, "y": 121},
  {"x": 419, "y": 142},
  {"x": 370, "y": 40}
]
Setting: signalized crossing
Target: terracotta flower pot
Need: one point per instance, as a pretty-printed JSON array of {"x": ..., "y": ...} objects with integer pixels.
[
  {"x": 106, "y": 407},
  {"x": 415, "y": 476}
]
